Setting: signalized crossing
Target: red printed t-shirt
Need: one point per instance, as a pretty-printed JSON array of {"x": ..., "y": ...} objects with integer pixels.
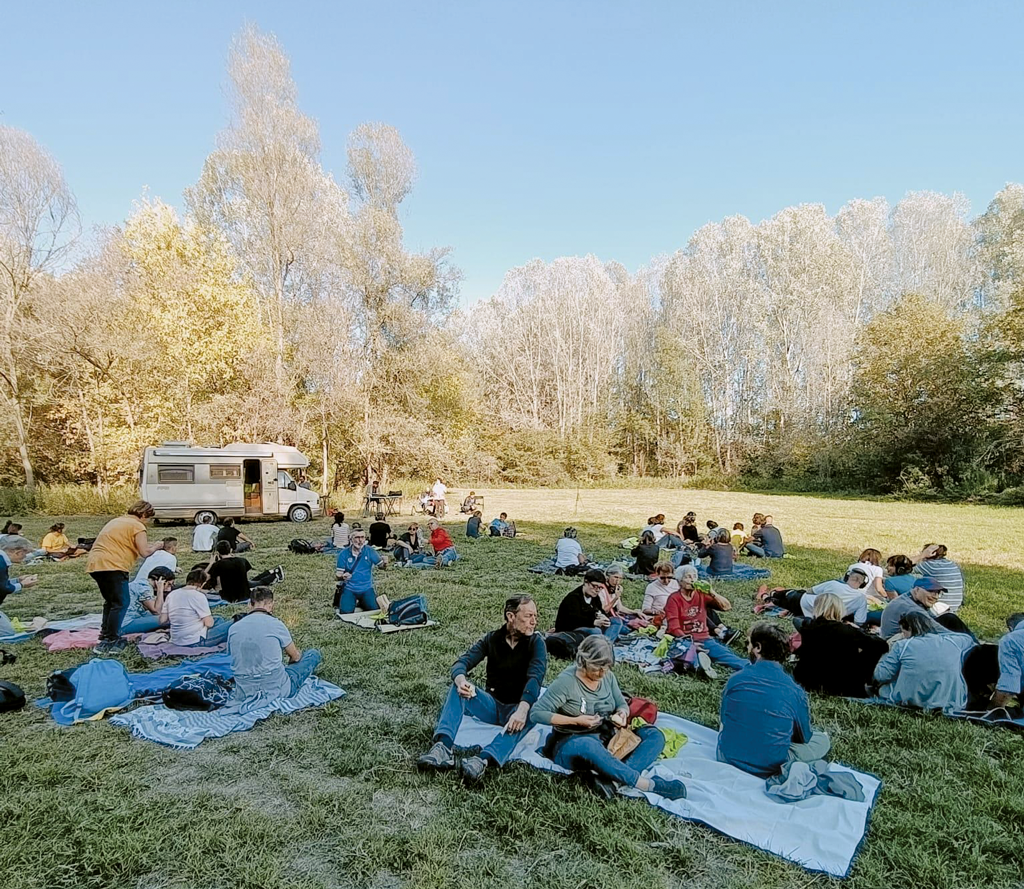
[
  {"x": 688, "y": 617},
  {"x": 440, "y": 540}
]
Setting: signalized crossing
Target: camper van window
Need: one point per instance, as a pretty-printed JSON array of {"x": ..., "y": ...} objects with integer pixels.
[
  {"x": 225, "y": 471},
  {"x": 284, "y": 480},
  {"x": 175, "y": 475}
]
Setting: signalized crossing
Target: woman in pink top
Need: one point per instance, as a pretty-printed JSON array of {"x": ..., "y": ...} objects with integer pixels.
[{"x": 658, "y": 591}]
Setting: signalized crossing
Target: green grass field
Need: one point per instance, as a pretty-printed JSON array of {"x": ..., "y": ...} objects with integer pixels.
[{"x": 331, "y": 798}]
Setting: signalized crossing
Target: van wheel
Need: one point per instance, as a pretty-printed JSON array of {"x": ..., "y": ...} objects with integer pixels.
[
  {"x": 200, "y": 516},
  {"x": 299, "y": 514}
]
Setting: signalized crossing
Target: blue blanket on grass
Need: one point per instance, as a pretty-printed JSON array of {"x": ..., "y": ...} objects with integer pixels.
[
  {"x": 822, "y": 833},
  {"x": 187, "y": 729},
  {"x": 739, "y": 572}
]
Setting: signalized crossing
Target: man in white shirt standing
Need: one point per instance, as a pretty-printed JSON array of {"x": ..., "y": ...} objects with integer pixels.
[
  {"x": 438, "y": 495},
  {"x": 205, "y": 535}
]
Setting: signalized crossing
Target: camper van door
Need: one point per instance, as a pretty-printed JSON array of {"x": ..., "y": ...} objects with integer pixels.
[{"x": 271, "y": 499}]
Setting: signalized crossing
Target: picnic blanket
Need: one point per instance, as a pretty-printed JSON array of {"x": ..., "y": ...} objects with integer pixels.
[
  {"x": 154, "y": 650},
  {"x": 739, "y": 572},
  {"x": 821, "y": 834},
  {"x": 155, "y": 681},
  {"x": 548, "y": 567},
  {"x": 374, "y": 620},
  {"x": 45, "y": 627},
  {"x": 65, "y": 640},
  {"x": 639, "y": 652},
  {"x": 187, "y": 729}
]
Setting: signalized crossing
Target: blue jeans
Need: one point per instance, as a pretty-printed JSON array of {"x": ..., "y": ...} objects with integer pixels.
[
  {"x": 754, "y": 550},
  {"x": 486, "y": 708},
  {"x": 448, "y": 556},
  {"x": 147, "y": 623},
  {"x": 298, "y": 673},
  {"x": 614, "y": 629},
  {"x": 215, "y": 635},
  {"x": 349, "y": 599},
  {"x": 723, "y": 654},
  {"x": 582, "y": 753}
]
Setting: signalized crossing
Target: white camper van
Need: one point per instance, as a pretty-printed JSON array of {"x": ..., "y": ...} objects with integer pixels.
[{"x": 241, "y": 481}]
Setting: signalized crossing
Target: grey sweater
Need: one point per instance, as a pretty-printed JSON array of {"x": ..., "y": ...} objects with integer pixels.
[{"x": 570, "y": 697}]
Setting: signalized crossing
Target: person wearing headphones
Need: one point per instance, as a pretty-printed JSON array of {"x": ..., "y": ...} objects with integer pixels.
[
  {"x": 568, "y": 552},
  {"x": 850, "y": 591}
]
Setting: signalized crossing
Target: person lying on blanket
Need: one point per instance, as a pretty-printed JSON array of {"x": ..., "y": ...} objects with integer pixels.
[
  {"x": 516, "y": 662},
  {"x": 924, "y": 667},
  {"x": 850, "y": 590},
  {"x": 255, "y": 642},
  {"x": 441, "y": 543},
  {"x": 584, "y": 706},
  {"x": 580, "y": 611},
  {"x": 686, "y": 615},
  {"x": 13, "y": 549},
  {"x": 1011, "y": 665},
  {"x": 355, "y": 574},
  {"x": 765, "y": 717},
  {"x": 186, "y": 611},
  {"x": 146, "y": 601},
  {"x": 229, "y": 575}
]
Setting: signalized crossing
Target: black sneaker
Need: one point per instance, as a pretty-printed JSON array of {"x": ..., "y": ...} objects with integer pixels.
[
  {"x": 472, "y": 768},
  {"x": 728, "y": 635},
  {"x": 668, "y": 787},
  {"x": 279, "y": 573},
  {"x": 101, "y": 647},
  {"x": 601, "y": 787}
]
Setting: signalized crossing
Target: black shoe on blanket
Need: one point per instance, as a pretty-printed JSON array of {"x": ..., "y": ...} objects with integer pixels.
[
  {"x": 437, "y": 759},
  {"x": 668, "y": 787}
]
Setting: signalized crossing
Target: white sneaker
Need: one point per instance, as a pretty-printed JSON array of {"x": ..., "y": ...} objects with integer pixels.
[{"x": 704, "y": 659}]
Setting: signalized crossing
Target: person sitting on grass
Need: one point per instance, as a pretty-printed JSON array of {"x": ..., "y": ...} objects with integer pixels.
[
  {"x": 340, "y": 531},
  {"x": 1011, "y": 665},
  {"x": 569, "y": 556},
  {"x": 686, "y": 530},
  {"x": 835, "y": 657},
  {"x": 162, "y": 558},
  {"x": 738, "y": 538},
  {"x": 516, "y": 663},
  {"x": 932, "y": 562},
  {"x": 723, "y": 633},
  {"x": 647, "y": 553},
  {"x": 850, "y": 590},
  {"x": 580, "y": 611},
  {"x": 658, "y": 591},
  {"x": 686, "y": 615},
  {"x": 899, "y": 578},
  {"x": 473, "y": 524},
  {"x": 442, "y": 545},
  {"x": 204, "y": 537},
  {"x": 238, "y": 541},
  {"x": 469, "y": 504},
  {"x": 719, "y": 552},
  {"x": 13, "y": 550},
  {"x": 58, "y": 547},
  {"x": 611, "y": 601},
  {"x": 380, "y": 533},
  {"x": 765, "y": 539},
  {"x": 765, "y": 717},
  {"x": 355, "y": 575},
  {"x": 186, "y": 612},
  {"x": 924, "y": 667},
  {"x": 500, "y": 526},
  {"x": 256, "y": 640},
  {"x": 229, "y": 575},
  {"x": 408, "y": 544},
  {"x": 584, "y": 705},
  {"x": 146, "y": 596},
  {"x": 922, "y": 597}
]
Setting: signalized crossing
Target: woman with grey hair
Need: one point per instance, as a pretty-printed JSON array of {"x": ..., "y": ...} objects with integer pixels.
[
  {"x": 585, "y": 706},
  {"x": 724, "y": 634},
  {"x": 13, "y": 549}
]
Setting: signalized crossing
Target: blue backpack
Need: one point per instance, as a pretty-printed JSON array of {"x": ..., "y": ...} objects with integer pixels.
[
  {"x": 99, "y": 685},
  {"x": 408, "y": 612}
]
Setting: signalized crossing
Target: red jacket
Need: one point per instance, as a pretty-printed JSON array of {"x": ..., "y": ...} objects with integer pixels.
[{"x": 440, "y": 540}]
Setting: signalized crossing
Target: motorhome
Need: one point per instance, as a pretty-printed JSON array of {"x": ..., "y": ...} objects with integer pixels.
[{"x": 251, "y": 481}]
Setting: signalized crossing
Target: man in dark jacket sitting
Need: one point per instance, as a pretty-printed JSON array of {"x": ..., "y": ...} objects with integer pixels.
[{"x": 516, "y": 663}]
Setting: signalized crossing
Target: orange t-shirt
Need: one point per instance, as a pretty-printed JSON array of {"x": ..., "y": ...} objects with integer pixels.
[{"x": 114, "y": 549}]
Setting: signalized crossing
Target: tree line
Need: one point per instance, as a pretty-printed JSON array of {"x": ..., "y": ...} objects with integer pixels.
[{"x": 876, "y": 349}]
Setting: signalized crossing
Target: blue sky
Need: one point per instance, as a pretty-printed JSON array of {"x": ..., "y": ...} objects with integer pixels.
[{"x": 546, "y": 129}]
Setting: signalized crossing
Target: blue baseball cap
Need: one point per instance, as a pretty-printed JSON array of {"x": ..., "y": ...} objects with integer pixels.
[{"x": 930, "y": 584}]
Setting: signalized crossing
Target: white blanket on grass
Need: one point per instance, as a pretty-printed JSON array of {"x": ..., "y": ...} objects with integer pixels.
[{"x": 822, "y": 833}]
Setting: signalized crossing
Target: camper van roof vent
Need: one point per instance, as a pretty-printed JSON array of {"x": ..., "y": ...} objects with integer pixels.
[{"x": 175, "y": 444}]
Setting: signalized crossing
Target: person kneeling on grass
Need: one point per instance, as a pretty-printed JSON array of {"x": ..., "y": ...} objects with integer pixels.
[
  {"x": 355, "y": 575},
  {"x": 186, "y": 611},
  {"x": 686, "y": 614},
  {"x": 516, "y": 662},
  {"x": 255, "y": 642},
  {"x": 441, "y": 543},
  {"x": 584, "y": 706},
  {"x": 765, "y": 717}
]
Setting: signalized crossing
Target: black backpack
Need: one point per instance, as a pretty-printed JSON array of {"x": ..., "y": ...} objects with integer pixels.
[
  {"x": 206, "y": 692},
  {"x": 302, "y": 547},
  {"x": 11, "y": 697},
  {"x": 563, "y": 645}
]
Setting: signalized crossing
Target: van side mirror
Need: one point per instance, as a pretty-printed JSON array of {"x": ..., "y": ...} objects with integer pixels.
[{"x": 292, "y": 486}]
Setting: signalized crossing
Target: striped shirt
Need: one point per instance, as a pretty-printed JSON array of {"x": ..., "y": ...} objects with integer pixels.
[{"x": 947, "y": 573}]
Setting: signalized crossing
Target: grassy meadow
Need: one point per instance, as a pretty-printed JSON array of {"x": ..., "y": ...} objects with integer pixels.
[{"x": 331, "y": 797}]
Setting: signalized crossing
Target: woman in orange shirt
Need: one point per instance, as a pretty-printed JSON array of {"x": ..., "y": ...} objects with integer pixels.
[{"x": 112, "y": 557}]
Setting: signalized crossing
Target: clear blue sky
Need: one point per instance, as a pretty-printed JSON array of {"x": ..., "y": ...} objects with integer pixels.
[{"x": 546, "y": 129}]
